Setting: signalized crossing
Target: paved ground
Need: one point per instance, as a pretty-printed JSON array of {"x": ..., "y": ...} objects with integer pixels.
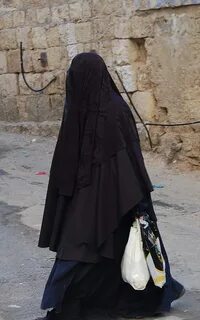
[{"x": 24, "y": 268}]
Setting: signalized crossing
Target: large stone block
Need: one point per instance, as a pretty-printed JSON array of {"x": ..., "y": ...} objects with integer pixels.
[
  {"x": 13, "y": 58},
  {"x": 21, "y": 107},
  {"x": 39, "y": 37},
  {"x": 13, "y": 61},
  {"x": 3, "y": 62},
  {"x": 33, "y": 79},
  {"x": 35, "y": 56},
  {"x": 175, "y": 75},
  {"x": 34, "y": 107},
  {"x": 75, "y": 11},
  {"x": 83, "y": 32},
  {"x": 145, "y": 104},
  {"x": 195, "y": 109},
  {"x": 57, "y": 107},
  {"x": 8, "y": 109},
  {"x": 67, "y": 34},
  {"x": 103, "y": 28},
  {"x": 104, "y": 7},
  {"x": 8, "y": 85},
  {"x": 28, "y": 60},
  {"x": 60, "y": 14},
  {"x": 87, "y": 10},
  {"x": 124, "y": 51},
  {"x": 57, "y": 86},
  {"x": 1, "y": 23},
  {"x": 162, "y": 25},
  {"x": 44, "y": 15},
  {"x": 191, "y": 97},
  {"x": 57, "y": 58},
  {"x": 125, "y": 8},
  {"x": 144, "y": 77},
  {"x": 6, "y": 20},
  {"x": 142, "y": 26},
  {"x": 128, "y": 74},
  {"x": 58, "y": 2},
  {"x": 8, "y": 39},
  {"x": 31, "y": 17},
  {"x": 44, "y": 108},
  {"x": 65, "y": 58},
  {"x": 35, "y": 3},
  {"x": 24, "y": 35},
  {"x": 188, "y": 24},
  {"x": 18, "y": 18},
  {"x": 13, "y": 4},
  {"x": 74, "y": 49},
  {"x": 122, "y": 27},
  {"x": 53, "y": 36},
  {"x": 104, "y": 48}
]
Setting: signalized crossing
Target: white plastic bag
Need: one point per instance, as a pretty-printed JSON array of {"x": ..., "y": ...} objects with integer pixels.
[{"x": 134, "y": 266}]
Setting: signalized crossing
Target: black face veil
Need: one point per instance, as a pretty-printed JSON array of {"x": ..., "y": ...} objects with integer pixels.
[
  {"x": 90, "y": 131},
  {"x": 88, "y": 93}
]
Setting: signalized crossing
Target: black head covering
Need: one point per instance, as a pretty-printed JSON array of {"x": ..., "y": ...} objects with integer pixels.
[
  {"x": 92, "y": 127},
  {"x": 88, "y": 94}
]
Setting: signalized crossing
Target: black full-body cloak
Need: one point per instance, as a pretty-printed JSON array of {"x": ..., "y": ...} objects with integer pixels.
[{"x": 97, "y": 181}]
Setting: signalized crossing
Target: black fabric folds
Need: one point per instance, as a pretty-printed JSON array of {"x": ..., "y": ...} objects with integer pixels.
[
  {"x": 97, "y": 165},
  {"x": 90, "y": 129}
]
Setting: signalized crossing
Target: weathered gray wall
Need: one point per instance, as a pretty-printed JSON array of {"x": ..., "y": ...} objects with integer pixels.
[{"x": 155, "y": 51}]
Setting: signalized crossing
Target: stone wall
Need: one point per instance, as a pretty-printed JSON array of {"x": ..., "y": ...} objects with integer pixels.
[{"x": 156, "y": 52}]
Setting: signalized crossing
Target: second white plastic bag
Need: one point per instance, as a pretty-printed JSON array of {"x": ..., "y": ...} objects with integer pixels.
[{"x": 134, "y": 266}]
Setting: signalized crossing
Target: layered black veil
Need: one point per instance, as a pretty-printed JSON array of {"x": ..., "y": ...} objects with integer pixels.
[
  {"x": 90, "y": 130},
  {"x": 97, "y": 123}
]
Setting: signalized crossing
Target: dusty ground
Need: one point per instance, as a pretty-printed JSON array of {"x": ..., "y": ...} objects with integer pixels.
[{"x": 24, "y": 267}]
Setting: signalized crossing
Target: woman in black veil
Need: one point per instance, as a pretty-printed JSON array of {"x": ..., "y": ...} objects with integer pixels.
[{"x": 98, "y": 183}]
